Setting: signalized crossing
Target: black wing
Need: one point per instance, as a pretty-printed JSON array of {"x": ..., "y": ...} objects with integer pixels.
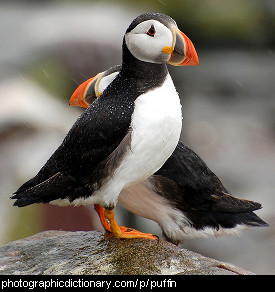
[
  {"x": 200, "y": 194},
  {"x": 74, "y": 167}
]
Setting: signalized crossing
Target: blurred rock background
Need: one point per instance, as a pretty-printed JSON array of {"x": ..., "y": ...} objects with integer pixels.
[{"x": 47, "y": 48}]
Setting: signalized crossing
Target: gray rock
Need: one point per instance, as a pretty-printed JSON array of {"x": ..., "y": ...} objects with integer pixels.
[{"x": 96, "y": 253}]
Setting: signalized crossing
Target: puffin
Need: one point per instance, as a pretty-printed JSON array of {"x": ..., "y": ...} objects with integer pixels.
[
  {"x": 126, "y": 134},
  {"x": 184, "y": 196}
]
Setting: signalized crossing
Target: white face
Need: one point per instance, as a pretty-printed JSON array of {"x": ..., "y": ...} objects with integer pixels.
[{"x": 147, "y": 40}]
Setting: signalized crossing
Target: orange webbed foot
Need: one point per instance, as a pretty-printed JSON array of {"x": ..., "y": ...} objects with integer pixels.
[
  {"x": 110, "y": 225},
  {"x": 133, "y": 233}
]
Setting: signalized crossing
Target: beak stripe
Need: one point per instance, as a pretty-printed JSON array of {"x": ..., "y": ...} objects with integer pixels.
[
  {"x": 184, "y": 53},
  {"x": 79, "y": 95}
]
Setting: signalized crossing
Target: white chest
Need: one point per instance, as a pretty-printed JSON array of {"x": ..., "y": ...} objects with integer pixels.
[
  {"x": 156, "y": 127},
  {"x": 157, "y": 113}
]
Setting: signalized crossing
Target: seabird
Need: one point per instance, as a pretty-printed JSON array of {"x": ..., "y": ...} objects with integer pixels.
[{"x": 127, "y": 134}]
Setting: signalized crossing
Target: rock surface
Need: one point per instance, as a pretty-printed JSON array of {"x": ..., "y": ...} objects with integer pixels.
[{"x": 95, "y": 253}]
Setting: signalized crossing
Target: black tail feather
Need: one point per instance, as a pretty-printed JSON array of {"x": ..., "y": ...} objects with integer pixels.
[
  {"x": 56, "y": 187},
  {"x": 201, "y": 220}
]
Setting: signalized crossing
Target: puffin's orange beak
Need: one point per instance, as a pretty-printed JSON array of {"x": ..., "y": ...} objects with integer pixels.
[
  {"x": 184, "y": 53},
  {"x": 85, "y": 92}
]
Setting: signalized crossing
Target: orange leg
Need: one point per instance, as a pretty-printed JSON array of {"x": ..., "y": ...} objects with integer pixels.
[
  {"x": 100, "y": 212},
  {"x": 119, "y": 231}
]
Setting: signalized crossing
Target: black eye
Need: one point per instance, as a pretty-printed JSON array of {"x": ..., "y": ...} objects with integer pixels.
[{"x": 151, "y": 31}]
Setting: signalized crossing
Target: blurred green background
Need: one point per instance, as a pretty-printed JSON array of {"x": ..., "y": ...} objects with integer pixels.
[{"x": 49, "y": 47}]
